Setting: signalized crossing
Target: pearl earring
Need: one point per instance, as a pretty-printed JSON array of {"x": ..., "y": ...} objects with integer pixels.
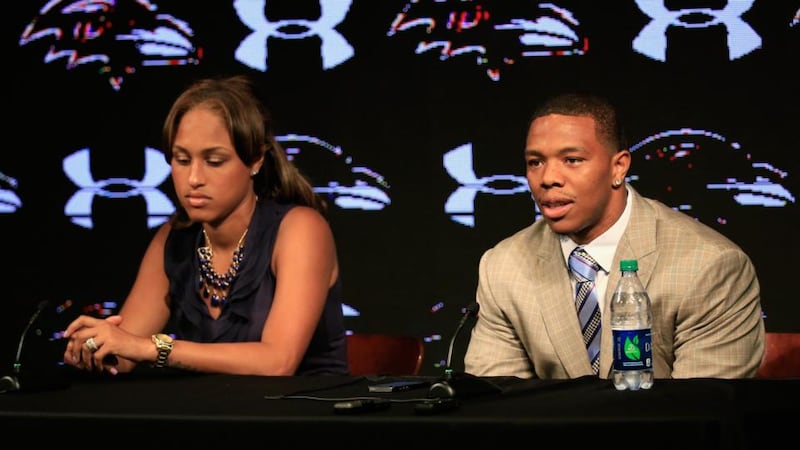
[
  {"x": 253, "y": 173},
  {"x": 617, "y": 182}
]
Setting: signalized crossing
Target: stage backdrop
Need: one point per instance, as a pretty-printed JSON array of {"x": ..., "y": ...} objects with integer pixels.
[{"x": 409, "y": 116}]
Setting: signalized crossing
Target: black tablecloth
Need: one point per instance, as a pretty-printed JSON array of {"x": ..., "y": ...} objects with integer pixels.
[{"x": 171, "y": 408}]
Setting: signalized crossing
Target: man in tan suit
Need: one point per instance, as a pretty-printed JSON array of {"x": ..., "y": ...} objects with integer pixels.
[{"x": 707, "y": 319}]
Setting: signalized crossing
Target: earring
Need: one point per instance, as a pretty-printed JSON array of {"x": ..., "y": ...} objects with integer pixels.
[
  {"x": 617, "y": 182},
  {"x": 253, "y": 173}
]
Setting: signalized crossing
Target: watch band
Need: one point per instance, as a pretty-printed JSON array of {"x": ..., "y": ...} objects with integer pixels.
[{"x": 163, "y": 344}]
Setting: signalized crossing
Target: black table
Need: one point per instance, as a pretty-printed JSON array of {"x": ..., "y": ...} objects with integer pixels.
[{"x": 169, "y": 409}]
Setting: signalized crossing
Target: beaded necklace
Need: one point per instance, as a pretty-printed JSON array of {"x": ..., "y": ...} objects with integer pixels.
[{"x": 213, "y": 284}]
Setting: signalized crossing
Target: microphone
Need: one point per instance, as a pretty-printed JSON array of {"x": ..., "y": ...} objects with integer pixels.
[
  {"x": 459, "y": 383},
  {"x": 470, "y": 312},
  {"x": 14, "y": 382}
]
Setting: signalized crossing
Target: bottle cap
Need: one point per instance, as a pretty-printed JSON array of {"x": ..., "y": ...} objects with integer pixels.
[{"x": 628, "y": 265}]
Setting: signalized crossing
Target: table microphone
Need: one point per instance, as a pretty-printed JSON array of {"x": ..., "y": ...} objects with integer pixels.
[
  {"x": 10, "y": 383},
  {"x": 459, "y": 384},
  {"x": 470, "y": 311}
]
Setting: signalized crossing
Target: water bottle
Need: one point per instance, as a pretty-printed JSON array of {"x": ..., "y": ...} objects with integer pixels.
[{"x": 631, "y": 322}]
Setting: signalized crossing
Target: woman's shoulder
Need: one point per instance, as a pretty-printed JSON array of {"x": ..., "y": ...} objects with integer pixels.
[
  {"x": 299, "y": 215},
  {"x": 292, "y": 219}
]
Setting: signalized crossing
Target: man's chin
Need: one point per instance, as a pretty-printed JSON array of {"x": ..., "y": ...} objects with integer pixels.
[{"x": 559, "y": 225}]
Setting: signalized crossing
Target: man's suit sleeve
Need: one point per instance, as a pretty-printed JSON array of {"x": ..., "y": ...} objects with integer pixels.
[
  {"x": 494, "y": 348},
  {"x": 719, "y": 329}
]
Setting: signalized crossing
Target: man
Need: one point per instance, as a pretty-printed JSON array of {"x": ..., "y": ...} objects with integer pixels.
[{"x": 705, "y": 294}]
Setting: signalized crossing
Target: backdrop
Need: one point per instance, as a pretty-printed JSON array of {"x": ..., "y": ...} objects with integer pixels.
[{"x": 410, "y": 116}]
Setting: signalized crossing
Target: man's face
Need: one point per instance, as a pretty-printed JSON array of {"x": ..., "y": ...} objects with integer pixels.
[{"x": 571, "y": 176}]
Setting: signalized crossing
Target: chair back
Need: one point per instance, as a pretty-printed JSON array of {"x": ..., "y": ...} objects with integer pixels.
[
  {"x": 384, "y": 354},
  {"x": 781, "y": 356}
]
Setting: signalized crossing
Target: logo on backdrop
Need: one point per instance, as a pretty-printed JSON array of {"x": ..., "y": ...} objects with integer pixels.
[
  {"x": 79, "y": 206},
  {"x": 460, "y": 205},
  {"x": 679, "y": 167},
  {"x": 119, "y": 36},
  {"x": 652, "y": 40},
  {"x": 253, "y": 50},
  {"x": 123, "y": 36},
  {"x": 9, "y": 200},
  {"x": 492, "y": 36},
  {"x": 336, "y": 177}
]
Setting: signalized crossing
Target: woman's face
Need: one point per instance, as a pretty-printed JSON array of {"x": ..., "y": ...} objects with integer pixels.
[{"x": 210, "y": 179}]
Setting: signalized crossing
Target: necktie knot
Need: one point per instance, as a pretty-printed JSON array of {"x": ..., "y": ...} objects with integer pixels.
[{"x": 583, "y": 265}]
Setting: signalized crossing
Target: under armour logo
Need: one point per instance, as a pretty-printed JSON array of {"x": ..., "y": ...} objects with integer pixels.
[
  {"x": 460, "y": 205},
  {"x": 79, "y": 206},
  {"x": 652, "y": 40},
  {"x": 253, "y": 49}
]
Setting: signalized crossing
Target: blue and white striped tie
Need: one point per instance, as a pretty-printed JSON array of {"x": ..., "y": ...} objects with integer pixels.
[{"x": 585, "y": 269}]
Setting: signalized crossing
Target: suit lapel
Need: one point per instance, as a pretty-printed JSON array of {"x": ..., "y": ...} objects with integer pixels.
[
  {"x": 638, "y": 242},
  {"x": 558, "y": 305}
]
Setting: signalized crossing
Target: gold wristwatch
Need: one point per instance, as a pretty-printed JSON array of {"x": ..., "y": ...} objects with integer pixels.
[{"x": 164, "y": 346}]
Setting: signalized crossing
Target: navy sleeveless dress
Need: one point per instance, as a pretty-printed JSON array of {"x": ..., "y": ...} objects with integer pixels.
[{"x": 243, "y": 316}]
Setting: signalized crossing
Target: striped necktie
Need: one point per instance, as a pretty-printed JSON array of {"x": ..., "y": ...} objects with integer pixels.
[{"x": 585, "y": 270}]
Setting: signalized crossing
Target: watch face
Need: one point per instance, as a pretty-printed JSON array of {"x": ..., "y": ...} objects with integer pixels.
[{"x": 162, "y": 341}]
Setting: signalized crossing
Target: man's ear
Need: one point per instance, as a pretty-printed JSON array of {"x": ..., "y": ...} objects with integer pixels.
[{"x": 621, "y": 162}]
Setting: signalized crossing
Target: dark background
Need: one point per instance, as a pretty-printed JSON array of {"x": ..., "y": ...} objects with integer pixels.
[{"x": 407, "y": 268}]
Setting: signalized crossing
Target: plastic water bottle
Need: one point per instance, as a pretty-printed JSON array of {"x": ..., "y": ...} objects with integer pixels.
[{"x": 631, "y": 322}]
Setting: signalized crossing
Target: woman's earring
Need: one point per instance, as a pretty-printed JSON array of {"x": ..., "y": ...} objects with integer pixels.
[
  {"x": 253, "y": 173},
  {"x": 617, "y": 182}
]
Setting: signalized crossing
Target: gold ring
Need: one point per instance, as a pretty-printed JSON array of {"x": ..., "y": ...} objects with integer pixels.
[{"x": 91, "y": 345}]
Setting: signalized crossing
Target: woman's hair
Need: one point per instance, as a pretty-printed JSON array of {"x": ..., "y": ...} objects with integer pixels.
[{"x": 249, "y": 125}]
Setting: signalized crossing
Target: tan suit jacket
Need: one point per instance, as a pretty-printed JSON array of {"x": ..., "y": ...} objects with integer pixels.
[{"x": 707, "y": 319}]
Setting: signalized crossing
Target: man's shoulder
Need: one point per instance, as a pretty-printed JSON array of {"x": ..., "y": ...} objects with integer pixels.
[
  {"x": 671, "y": 222},
  {"x": 523, "y": 240}
]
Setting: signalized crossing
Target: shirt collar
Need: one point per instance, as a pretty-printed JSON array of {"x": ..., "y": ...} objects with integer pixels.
[{"x": 603, "y": 247}]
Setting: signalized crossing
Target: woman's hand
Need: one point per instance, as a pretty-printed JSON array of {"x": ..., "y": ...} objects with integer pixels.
[{"x": 100, "y": 345}]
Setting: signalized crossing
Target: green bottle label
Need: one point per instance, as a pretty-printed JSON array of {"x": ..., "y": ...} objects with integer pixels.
[{"x": 632, "y": 349}]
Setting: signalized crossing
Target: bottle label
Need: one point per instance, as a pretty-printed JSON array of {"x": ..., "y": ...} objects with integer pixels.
[{"x": 632, "y": 349}]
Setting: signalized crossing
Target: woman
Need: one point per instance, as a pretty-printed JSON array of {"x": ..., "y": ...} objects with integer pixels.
[{"x": 245, "y": 273}]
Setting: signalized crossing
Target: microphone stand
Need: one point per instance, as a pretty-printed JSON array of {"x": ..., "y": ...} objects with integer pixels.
[
  {"x": 28, "y": 380},
  {"x": 461, "y": 384}
]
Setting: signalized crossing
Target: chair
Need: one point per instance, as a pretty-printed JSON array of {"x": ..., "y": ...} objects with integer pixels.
[
  {"x": 781, "y": 356},
  {"x": 384, "y": 354}
]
